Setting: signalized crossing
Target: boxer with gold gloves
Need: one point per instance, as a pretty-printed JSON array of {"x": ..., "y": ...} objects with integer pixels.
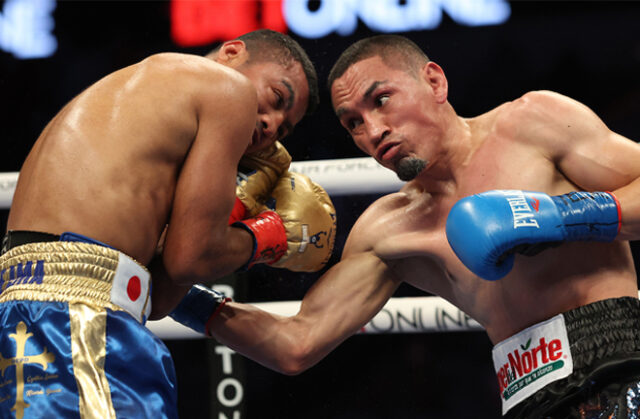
[
  {"x": 291, "y": 219},
  {"x": 152, "y": 145}
]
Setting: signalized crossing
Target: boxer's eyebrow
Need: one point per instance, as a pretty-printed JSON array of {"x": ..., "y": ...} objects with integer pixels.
[
  {"x": 374, "y": 86},
  {"x": 367, "y": 94},
  {"x": 292, "y": 94}
]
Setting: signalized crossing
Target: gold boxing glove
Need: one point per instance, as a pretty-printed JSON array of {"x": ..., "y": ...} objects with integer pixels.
[
  {"x": 257, "y": 175},
  {"x": 309, "y": 219}
]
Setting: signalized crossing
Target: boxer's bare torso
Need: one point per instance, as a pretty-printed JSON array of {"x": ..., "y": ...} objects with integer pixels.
[
  {"x": 108, "y": 164},
  {"x": 542, "y": 142},
  {"x": 407, "y": 229},
  {"x": 398, "y": 112},
  {"x": 154, "y": 148}
]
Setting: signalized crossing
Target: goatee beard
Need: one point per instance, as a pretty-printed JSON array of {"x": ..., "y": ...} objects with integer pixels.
[{"x": 410, "y": 167}]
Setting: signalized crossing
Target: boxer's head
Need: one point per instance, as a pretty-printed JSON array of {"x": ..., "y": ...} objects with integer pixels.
[
  {"x": 284, "y": 77},
  {"x": 387, "y": 94}
]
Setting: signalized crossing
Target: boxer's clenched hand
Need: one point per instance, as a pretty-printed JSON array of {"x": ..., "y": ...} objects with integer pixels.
[
  {"x": 298, "y": 234},
  {"x": 310, "y": 222},
  {"x": 485, "y": 230},
  {"x": 258, "y": 174}
]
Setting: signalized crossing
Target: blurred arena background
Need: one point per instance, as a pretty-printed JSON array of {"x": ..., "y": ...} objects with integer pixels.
[{"x": 491, "y": 50}]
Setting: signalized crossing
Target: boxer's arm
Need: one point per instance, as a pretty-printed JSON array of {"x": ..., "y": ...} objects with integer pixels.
[
  {"x": 343, "y": 300},
  {"x": 607, "y": 161},
  {"x": 589, "y": 154},
  {"x": 610, "y": 163},
  {"x": 165, "y": 294},
  {"x": 200, "y": 245}
]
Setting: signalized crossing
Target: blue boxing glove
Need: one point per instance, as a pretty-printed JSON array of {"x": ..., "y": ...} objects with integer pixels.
[
  {"x": 486, "y": 229},
  {"x": 198, "y": 308}
]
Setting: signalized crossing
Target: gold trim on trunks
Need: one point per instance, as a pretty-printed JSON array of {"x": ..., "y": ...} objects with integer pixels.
[
  {"x": 70, "y": 272},
  {"x": 88, "y": 278},
  {"x": 88, "y": 350}
]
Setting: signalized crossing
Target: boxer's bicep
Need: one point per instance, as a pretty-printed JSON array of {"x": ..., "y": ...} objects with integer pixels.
[
  {"x": 595, "y": 158},
  {"x": 600, "y": 160}
]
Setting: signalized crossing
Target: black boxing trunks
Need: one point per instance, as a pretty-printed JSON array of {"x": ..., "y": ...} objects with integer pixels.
[
  {"x": 584, "y": 363},
  {"x": 73, "y": 342}
]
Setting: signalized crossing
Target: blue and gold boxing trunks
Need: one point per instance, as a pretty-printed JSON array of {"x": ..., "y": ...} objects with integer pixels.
[
  {"x": 73, "y": 342},
  {"x": 584, "y": 364}
]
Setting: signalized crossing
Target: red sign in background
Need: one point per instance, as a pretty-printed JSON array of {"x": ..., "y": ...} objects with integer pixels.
[{"x": 200, "y": 22}]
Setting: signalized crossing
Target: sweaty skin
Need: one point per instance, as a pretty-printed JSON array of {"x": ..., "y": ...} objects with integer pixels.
[
  {"x": 542, "y": 141},
  {"x": 158, "y": 143}
]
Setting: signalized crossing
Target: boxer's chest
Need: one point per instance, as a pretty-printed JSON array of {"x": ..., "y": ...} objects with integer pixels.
[{"x": 501, "y": 163}]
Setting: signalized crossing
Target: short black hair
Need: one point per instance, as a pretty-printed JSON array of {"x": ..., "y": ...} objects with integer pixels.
[
  {"x": 396, "y": 51},
  {"x": 268, "y": 45}
]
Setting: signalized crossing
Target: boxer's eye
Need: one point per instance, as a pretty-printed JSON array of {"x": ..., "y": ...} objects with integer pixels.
[
  {"x": 279, "y": 100},
  {"x": 381, "y": 100},
  {"x": 353, "y": 124}
]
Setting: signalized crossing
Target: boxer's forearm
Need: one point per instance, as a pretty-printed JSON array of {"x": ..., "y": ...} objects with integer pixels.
[
  {"x": 343, "y": 300},
  {"x": 165, "y": 294},
  {"x": 269, "y": 339}
]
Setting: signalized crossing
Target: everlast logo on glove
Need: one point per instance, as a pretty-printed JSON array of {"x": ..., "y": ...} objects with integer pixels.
[
  {"x": 530, "y": 360},
  {"x": 523, "y": 216}
]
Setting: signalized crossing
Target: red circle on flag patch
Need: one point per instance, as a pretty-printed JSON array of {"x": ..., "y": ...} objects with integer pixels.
[{"x": 133, "y": 288}]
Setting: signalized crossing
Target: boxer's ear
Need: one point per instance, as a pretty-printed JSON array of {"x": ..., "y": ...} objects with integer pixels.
[
  {"x": 233, "y": 53},
  {"x": 433, "y": 74}
]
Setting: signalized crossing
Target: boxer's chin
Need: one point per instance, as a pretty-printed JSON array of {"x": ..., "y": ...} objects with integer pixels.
[{"x": 408, "y": 168}]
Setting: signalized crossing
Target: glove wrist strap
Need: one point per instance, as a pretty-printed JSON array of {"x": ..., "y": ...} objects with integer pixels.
[
  {"x": 593, "y": 216},
  {"x": 269, "y": 237},
  {"x": 198, "y": 308},
  {"x": 238, "y": 212}
]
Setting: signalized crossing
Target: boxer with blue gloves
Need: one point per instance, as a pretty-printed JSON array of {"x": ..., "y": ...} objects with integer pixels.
[
  {"x": 565, "y": 323},
  {"x": 486, "y": 229}
]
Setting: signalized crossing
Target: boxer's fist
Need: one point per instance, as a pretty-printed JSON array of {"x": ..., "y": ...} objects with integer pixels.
[
  {"x": 309, "y": 219},
  {"x": 300, "y": 233},
  {"x": 258, "y": 174},
  {"x": 485, "y": 230}
]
